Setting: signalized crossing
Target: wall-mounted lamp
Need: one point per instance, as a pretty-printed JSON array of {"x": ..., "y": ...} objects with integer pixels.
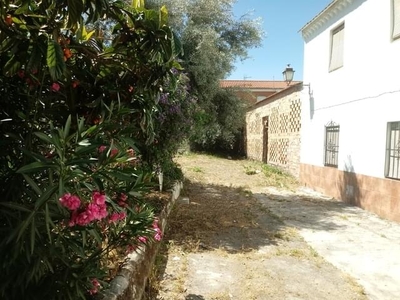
[{"x": 288, "y": 74}]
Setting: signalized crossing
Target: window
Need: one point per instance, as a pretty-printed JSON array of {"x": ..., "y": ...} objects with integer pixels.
[
  {"x": 395, "y": 19},
  {"x": 337, "y": 45},
  {"x": 392, "y": 169},
  {"x": 331, "y": 144}
]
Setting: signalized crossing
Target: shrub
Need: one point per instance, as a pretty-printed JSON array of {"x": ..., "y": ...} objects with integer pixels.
[{"x": 80, "y": 86}]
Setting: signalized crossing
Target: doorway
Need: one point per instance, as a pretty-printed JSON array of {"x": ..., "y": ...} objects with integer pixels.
[{"x": 265, "y": 121}]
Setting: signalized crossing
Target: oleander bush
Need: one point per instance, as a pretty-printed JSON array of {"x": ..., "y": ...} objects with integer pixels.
[{"x": 84, "y": 126}]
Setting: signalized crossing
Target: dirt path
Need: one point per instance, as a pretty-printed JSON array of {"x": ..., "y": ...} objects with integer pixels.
[{"x": 225, "y": 244}]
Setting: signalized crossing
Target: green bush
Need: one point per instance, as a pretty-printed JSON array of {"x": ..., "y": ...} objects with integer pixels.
[
  {"x": 77, "y": 201},
  {"x": 80, "y": 84}
]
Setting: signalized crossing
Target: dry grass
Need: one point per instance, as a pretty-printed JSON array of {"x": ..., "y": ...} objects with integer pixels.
[{"x": 224, "y": 217}]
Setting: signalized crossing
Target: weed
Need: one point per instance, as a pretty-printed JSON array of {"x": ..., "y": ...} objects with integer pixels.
[
  {"x": 297, "y": 253},
  {"x": 251, "y": 170},
  {"x": 277, "y": 177},
  {"x": 313, "y": 252},
  {"x": 197, "y": 169}
]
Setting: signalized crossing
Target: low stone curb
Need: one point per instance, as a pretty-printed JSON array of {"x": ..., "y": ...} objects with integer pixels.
[{"x": 130, "y": 282}]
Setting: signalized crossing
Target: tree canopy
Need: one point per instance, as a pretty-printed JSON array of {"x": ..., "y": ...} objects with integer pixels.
[{"x": 213, "y": 38}]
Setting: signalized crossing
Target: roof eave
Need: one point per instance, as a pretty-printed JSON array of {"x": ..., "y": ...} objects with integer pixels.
[{"x": 324, "y": 16}]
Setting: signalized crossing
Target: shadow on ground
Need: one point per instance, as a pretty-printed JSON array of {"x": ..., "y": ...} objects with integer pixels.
[
  {"x": 221, "y": 217},
  {"x": 228, "y": 220},
  {"x": 307, "y": 210}
]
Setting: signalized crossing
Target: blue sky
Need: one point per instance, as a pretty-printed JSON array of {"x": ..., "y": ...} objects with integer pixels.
[{"x": 282, "y": 44}]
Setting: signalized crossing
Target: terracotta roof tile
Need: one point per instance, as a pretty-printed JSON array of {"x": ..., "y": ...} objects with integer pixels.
[{"x": 256, "y": 84}]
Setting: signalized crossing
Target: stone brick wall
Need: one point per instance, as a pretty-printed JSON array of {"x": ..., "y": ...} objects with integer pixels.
[
  {"x": 131, "y": 281},
  {"x": 283, "y": 112}
]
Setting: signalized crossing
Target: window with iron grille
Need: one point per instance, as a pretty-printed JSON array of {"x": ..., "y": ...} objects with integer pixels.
[
  {"x": 331, "y": 144},
  {"x": 392, "y": 169}
]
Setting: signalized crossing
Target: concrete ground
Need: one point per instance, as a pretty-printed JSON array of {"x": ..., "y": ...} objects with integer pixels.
[{"x": 352, "y": 239}]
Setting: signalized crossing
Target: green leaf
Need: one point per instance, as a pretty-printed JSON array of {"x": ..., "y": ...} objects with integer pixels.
[
  {"x": 67, "y": 127},
  {"x": 75, "y": 11},
  {"x": 55, "y": 59},
  {"x": 48, "y": 221},
  {"x": 21, "y": 229},
  {"x": 163, "y": 15},
  {"x": 33, "y": 235},
  {"x": 6, "y": 44},
  {"x": 32, "y": 184},
  {"x": 177, "y": 47},
  {"x": 89, "y": 130},
  {"x": 44, "y": 137},
  {"x": 35, "y": 156},
  {"x": 138, "y": 4},
  {"x": 36, "y": 56},
  {"x": 12, "y": 66},
  {"x": 46, "y": 196},
  {"x": 82, "y": 34},
  {"x": 95, "y": 234},
  {"x": 15, "y": 206},
  {"x": 35, "y": 167}
]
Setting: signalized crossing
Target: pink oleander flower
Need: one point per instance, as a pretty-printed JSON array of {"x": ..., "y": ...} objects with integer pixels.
[
  {"x": 158, "y": 237},
  {"x": 93, "y": 211},
  {"x": 155, "y": 223},
  {"x": 122, "y": 215},
  {"x": 71, "y": 202},
  {"x": 114, "y": 152},
  {"x": 122, "y": 204},
  {"x": 72, "y": 220},
  {"x": 131, "y": 152},
  {"x": 158, "y": 232},
  {"x": 96, "y": 286},
  {"x": 142, "y": 239},
  {"x": 102, "y": 148},
  {"x": 81, "y": 219},
  {"x": 21, "y": 73},
  {"x": 98, "y": 198},
  {"x": 55, "y": 87},
  {"x": 123, "y": 197},
  {"x": 122, "y": 200},
  {"x": 115, "y": 217}
]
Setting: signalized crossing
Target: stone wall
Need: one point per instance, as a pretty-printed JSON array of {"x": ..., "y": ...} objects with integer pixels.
[
  {"x": 131, "y": 281},
  {"x": 280, "y": 115}
]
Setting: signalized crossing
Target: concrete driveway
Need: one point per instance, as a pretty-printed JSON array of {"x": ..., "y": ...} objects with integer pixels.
[{"x": 352, "y": 239}]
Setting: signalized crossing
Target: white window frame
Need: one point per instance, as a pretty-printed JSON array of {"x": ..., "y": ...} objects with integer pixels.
[
  {"x": 395, "y": 19},
  {"x": 336, "y": 59}
]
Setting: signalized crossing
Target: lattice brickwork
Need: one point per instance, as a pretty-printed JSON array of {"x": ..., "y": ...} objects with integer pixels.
[
  {"x": 278, "y": 149},
  {"x": 283, "y": 123},
  {"x": 295, "y": 116}
]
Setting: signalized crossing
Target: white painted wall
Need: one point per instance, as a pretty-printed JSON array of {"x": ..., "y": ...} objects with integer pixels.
[{"x": 362, "y": 96}]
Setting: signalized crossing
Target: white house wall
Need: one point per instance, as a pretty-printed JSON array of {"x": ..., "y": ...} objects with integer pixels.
[{"x": 361, "y": 97}]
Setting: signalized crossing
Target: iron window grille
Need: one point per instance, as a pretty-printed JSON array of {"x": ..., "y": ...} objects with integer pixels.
[
  {"x": 392, "y": 169},
  {"x": 331, "y": 144}
]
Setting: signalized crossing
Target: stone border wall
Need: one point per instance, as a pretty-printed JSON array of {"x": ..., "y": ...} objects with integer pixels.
[{"x": 131, "y": 281}]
